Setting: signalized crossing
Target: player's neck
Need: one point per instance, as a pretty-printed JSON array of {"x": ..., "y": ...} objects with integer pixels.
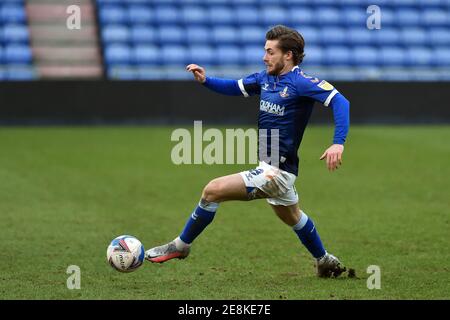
[{"x": 287, "y": 68}]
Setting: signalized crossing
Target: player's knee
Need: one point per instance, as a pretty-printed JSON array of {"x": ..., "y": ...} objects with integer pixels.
[{"x": 212, "y": 191}]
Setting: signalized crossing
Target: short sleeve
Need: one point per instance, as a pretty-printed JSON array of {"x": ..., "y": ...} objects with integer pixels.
[
  {"x": 319, "y": 90},
  {"x": 250, "y": 85}
]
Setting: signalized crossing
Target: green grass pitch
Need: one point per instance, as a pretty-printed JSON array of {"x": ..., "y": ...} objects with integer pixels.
[{"x": 65, "y": 193}]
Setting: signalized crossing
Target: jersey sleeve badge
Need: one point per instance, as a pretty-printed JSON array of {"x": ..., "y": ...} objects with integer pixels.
[{"x": 325, "y": 85}]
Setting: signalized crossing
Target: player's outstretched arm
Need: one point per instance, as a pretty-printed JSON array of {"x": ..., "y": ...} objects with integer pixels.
[
  {"x": 341, "y": 113},
  {"x": 228, "y": 87}
]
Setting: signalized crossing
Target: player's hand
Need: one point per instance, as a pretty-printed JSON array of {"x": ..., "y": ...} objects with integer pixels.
[
  {"x": 199, "y": 72},
  {"x": 334, "y": 156}
]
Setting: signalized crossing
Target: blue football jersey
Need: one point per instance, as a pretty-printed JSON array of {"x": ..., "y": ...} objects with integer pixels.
[{"x": 286, "y": 103}]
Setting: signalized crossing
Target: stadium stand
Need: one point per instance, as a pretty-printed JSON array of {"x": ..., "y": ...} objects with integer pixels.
[{"x": 227, "y": 37}]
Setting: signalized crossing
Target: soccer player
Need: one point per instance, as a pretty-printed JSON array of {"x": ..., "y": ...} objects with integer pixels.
[{"x": 287, "y": 96}]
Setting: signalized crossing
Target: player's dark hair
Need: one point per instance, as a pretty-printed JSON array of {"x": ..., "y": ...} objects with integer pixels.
[{"x": 288, "y": 40}]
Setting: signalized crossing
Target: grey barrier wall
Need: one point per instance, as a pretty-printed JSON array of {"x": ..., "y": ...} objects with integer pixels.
[{"x": 176, "y": 102}]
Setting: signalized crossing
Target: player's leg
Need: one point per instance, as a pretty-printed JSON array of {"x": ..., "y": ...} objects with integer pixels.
[
  {"x": 231, "y": 187},
  {"x": 326, "y": 264}
]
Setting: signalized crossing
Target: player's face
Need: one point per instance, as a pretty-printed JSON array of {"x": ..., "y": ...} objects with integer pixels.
[{"x": 274, "y": 58}]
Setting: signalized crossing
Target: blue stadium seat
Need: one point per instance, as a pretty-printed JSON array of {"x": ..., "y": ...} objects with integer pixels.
[
  {"x": 386, "y": 36},
  {"x": 333, "y": 35},
  {"x": 271, "y": 16},
  {"x": 337, "y": 55},
  {"x": 166, "y": 15},
  {"x": 224, "y": 35},
  {"x": 194, "y": 15},
  {"x": 174, "y": 55},
  {"x": 311, "y": 35},
  {"x": 146, "y": 54},
  {"x": 112, "y": 15},
  {"x": 171, "y": 35},
  {"x": 328, "y": 16},
  {"x": 115, "y": 33},
  {"x": 253, "y": 55},
  {"x": 435, "y": 17},
  {"x": 301, "y": 16},
  {"x": 139, "y": 14},
  {"x": 252, "y": 35},
  {"x": 15, "y": 33},
  {"x": 12, "y": 13},
  {"x": 388, "y": 17},
  {"x": 392, "y": 56},
  {"x": 353, "y": 16},
  {"x": 197, "y": 34},
  {"x": 438, "y": 36},
  {"x": 247, "y": 15},
  {"x": 404, "y": 3},
  {"x": 407, "y": 17},
  {"x": 118, "y": 54},
  {"x": 419, "y": 56},
  {"x": 20, "y": 73},
  {"x": 219, "y": 15},
  {"x": 314, "y": 55},
  {"x": 201, "y": 55},
  {"x": 413, "y": 36},
  {"x": 441, "y": 56},
  {"x": 122, "y": 72},
  {"x": 365, "y": 56},
  {"x": 360, "y": 36},
  {"x": 228, "y": 55},
  {"x": 143, "y": 34},
  {"x": 17, "y": 53}
]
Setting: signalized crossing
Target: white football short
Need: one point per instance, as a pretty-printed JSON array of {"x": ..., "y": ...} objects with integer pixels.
[{"x": 276, "y": 183}]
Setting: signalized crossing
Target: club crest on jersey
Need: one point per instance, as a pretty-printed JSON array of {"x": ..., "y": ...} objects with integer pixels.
[
  {"x": 325, "y": 85},
  {"x": 284, "y": 93}
]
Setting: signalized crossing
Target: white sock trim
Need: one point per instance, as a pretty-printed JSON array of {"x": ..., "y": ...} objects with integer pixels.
[
  {"x": 180, "y": 244},
  {"x": 302, "y": 222}
]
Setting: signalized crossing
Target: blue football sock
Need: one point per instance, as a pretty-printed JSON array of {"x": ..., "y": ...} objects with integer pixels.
[
  {"x": 199, "y": 219},
  {"x": 307, "y": 233}
]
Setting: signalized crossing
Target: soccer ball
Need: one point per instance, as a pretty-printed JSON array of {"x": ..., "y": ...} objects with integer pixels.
[{"x": 125, "y": 253}]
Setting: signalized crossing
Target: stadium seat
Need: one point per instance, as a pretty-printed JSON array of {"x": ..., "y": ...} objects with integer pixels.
[
  {"x": 441, "y": 56},
  {"x": 143, "y": 34},
  {"x": 115, "y": 33},
  {"x": 365, "y": 56},
  {"x": 113, "y": 15},
  {"x": 194, "y": 15},
  {"x": 247, "y": 16},
  {"x": 392, "y": 56},
  {"x": 314, "y": 55},
  {"x": 271, "y": 16},
  {"x": 327, "y": 16},
  {"x": 438, "y": 36},
  {"x": 166, "y": 15},
  {"x": 17, "y": 53},
  {"x": 435, "y": 17},
  {"x": 174, "y": 55},
  {"x": 337, "y": 55},
  {"x": 353, "y": 16},
  {"x": 221, "y": 15},
  {"x": 201, "y": 55},
  {"x": 118, "y": 54},
  {"x": 15, "y": 33},
  {"x": 333, "y": 35},
  {"x": 253, "y": 55},
  {"x": 224, "y": 35},
  {"x": 197, "y": 34},
  {"x": 228, "y": 55},
  {"x": 407, "y": 17},
  {"x": 20, "y": 73},
  {"x": 171, "y": 35},
  {"x": 311, "y": 35},
  {"x": 386, "y": 36},
  {"x": 301, "y": 16},
  {"x": 138, "y": 14},
  {"x": 252, "y": 35},
  {"x": 419, "y": 56},
  {"x": 413, "y": 36},
  {"x": 12, "y": 13},
  {"x": 145, "y": 54},
  {"x": 360, "y": 36}
]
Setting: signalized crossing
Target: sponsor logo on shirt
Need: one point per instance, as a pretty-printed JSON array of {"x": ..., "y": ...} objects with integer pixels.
[
  {"x": 271, "y": 107},
  {"x": 265, "y": 86}
]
